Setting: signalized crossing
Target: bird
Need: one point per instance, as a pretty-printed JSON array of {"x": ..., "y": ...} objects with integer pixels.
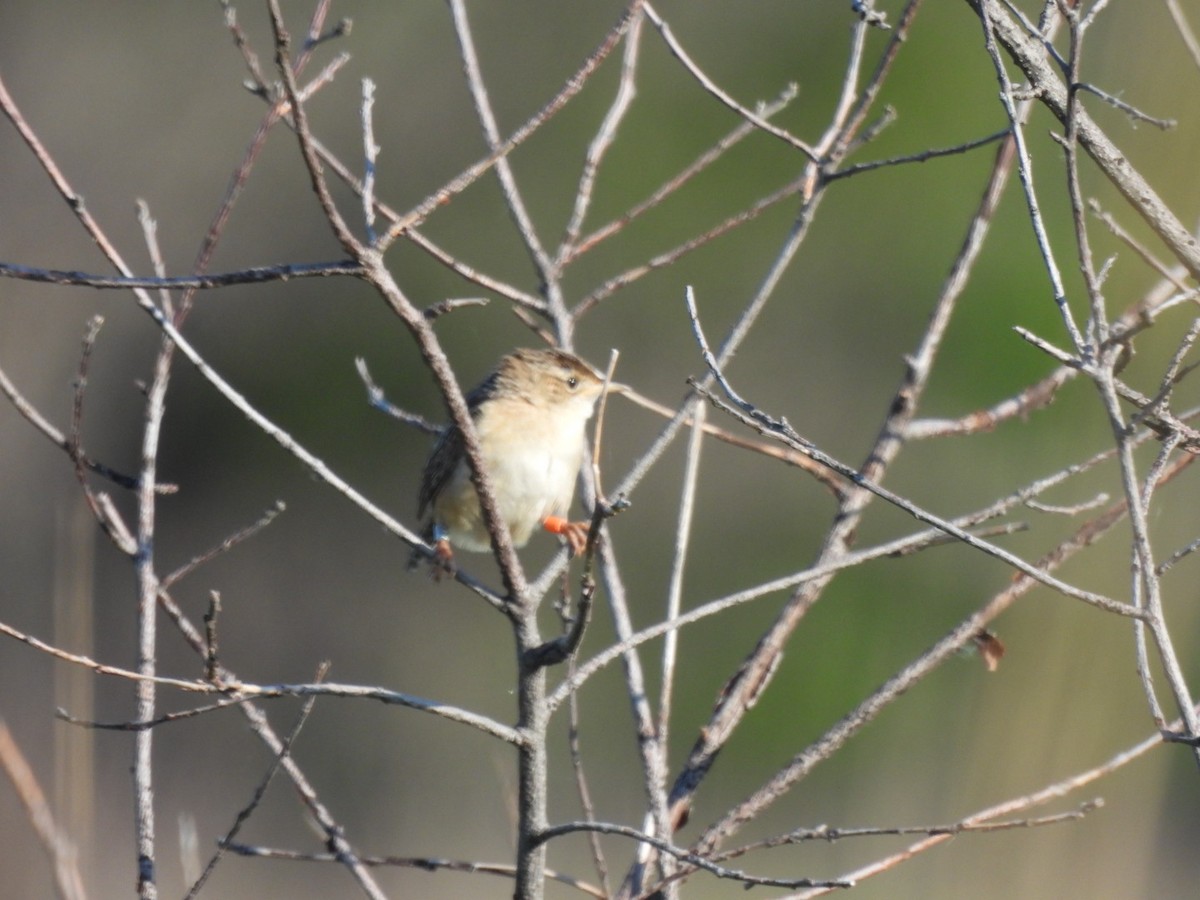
[{"x": 531, "y": 417}]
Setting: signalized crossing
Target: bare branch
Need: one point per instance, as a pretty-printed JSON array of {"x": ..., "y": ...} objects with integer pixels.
[
  {"x": 687, "y": 856},
  {"x": 425, "y": 864},
  {"x": 244, "y": 814},
  {"x": 1030, "y": 57},
  {"x": 1009, "y": 807},
  {"x": 764, "y": 425},
  {"x": 709, "y": 85},
  {"x": 228, "y": 544},
  {"x": 258, "y": 275},
  {"x": 572, "y": 86}
]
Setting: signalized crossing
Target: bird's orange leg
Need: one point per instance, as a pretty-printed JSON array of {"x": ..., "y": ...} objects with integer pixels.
[{"x": 575, "y": 533}]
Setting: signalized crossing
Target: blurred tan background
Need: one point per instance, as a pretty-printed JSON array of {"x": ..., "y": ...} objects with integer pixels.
[{"x": 144, "y": 101}]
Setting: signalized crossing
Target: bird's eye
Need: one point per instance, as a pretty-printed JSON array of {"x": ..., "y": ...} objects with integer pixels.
[{"x": 572, "y": 382}]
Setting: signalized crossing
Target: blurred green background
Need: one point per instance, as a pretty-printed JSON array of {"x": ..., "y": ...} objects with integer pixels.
[{"x": 139, "y": 100}]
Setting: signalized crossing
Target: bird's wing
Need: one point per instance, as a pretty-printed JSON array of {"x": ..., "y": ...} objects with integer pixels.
[
  {"x": 448, "y": 450},
  {"x": 440, "y": 466}
]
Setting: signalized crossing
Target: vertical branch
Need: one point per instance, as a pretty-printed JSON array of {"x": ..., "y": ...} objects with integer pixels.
[
  {"x": 756, "y": 672},
  {"x": 1030, "y": 55},
  {"x": 491, "y": 132},
  {"x": 244, "y": 814},
  {"x": 148, "y": 586},
  {"x": 147, "y": 581},
  {"x": 1097, "y": 330},
  {"x": 653, "y": 761},
  {"x": 683, "y": 538},
  {"x": 533, "y": 717},
  {"x": 142, "y": 549},
  {"x": 683, "y": 534},
  {"x": 376, "y": 273},
  {"x": 276, "y": 111},
  {"x": 852, "y": 116},
  {"x": 283, "y": 62},
  {"x": 1025, "y": 171},
  {"x": 605, "y": 135},
  {"x": 733, "y": 703},
  {"x": 370, "y": 153},
  {"x": 581, "y": 784},
  {"x": 1146, "y": 587},
  {"x": 544, "y": 265},
  {"x": 334, "y": 833}
]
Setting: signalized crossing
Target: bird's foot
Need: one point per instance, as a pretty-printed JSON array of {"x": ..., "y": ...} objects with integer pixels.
[{"x": 574, "y": 533}]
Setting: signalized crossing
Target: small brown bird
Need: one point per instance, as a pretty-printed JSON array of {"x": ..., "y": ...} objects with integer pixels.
[{"x": 531, "y": 415}]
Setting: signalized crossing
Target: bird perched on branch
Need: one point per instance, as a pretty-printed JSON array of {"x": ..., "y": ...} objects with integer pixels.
[{"x": 531, "y": 417}]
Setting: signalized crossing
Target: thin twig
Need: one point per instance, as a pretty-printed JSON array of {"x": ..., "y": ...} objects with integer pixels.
[
  {"x": 713, "y": 88},
  {"x": 583, "y": 788},
  {"x": 518, "y": 211},
  {"x": 482, "y": 723},
  {"x": 1162, "y": 422},
  {"x": 260, "y": 791},
  {"x": 1132, "y": 111},
  {"x": 922, "y": 515},
  {"x": 110, "y": 520},
  {"x": 227, "y": 544},
  {"x": 673, "y": 184},
  {"x": 687, "y": 856},
  {"x": 605, "y": 135},
  {"x": 971, "y": 825},
  {"x": 256, "y": 275},
  {"x": 165, "y": 719},
  {"x": 1176, "y": 275},
  {"x": 316, "y": 175},
  {"x": 242, "y": 41},
  {"x": 683, "y": 534},
  {"x": 1025, "y": 173},
  {"x": 1178, "y": 555},
  {"x": 1009, "y": 807},
  {"x": 378, "y": 400},
  {"x": 422, "y": 863},
  {"x": 923, "y": 156},
  {"x": 101, "y": 668},
  {"x": 56, "y": 437},
  {"x": 572, "y": 86},
  {"x": 1030, "y": 56},
  {"x": 670, "y": 649},
  {"x": 150, "y": 234}
]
